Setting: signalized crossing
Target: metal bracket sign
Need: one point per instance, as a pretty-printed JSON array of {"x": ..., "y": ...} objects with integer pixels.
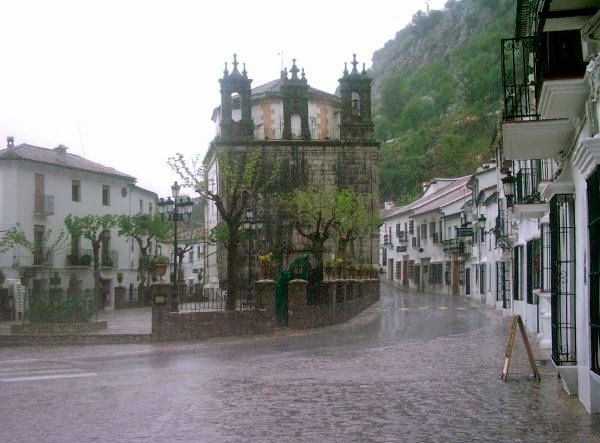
[
  {"x": 464, "y": 232},
  {"x": 160, "y": 300}
]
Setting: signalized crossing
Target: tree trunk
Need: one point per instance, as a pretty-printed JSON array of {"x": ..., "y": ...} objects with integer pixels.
[
  {"x": 232, "y": 251},
  {"x": 97, "y": 286},
  {"x": 318, "y": 248}
]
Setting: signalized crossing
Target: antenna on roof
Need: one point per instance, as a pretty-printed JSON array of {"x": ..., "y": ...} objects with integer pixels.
[
  {"x": 80, "y": 139},
  {"x": 281, "y": 54}
]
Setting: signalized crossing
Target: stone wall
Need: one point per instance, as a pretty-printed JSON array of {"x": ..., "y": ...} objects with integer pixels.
[{"x": 340, "y": 301}]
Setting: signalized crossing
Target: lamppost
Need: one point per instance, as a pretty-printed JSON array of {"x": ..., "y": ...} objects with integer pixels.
[
  {"x": 251, "y": 224},
  {"x": 175, "y": 208}
]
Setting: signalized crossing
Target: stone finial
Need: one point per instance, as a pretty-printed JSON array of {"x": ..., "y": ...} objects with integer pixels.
[
  {"x": 225, "y": 71},
  {"x": 244, "y": 72},
  {"x": 235, "y": 64},
  {"x": 303, "y": 75},
  {"x": 294, "y": 70},
  {"x": 345, "y": 68},
  {"x": 284, "y": 74},
  {"x": 10, "y": 142},
  {"x": 364, "y": 71},
  {"x": 354, "y": 63}
]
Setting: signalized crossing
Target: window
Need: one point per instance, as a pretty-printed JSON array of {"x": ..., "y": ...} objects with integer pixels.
[
  {"x": 398, "y": 267},
  {"x": 141, "y": 206},
  {"x": 424, "y": 231},
  {"x": 503, "y": 283},
  {"x": 105, "y": 195},
  {"x": 436, "y": 271},
  {"x": 517, "y": 261},
  {"x": 76, "y": 191},
  {"x": 411, "y": 227},
  {"x": 417, "y": 273},
  {"x": 150, "y": 208},
  {"x": 482, "y": 279},
  {"x": 39, "y": 232},
  {"x": 191, "y": 256},
  {"x": 562, "y": 252},
  {"x": 593, "y": 187},
  {"x": 546, "y": 264},
  {"x": 199, "y": 251},
  {"x": 411, "y": 269}
]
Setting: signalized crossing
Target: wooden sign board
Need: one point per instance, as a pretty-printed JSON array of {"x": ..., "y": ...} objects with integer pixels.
[{"x": 510, "y": 344}]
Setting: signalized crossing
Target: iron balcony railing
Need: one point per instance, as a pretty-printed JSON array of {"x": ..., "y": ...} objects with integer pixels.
[
  {"x": 83, "y": 257},
  {"x": 529, "y": 177},
  {"x": 518, "y": 78},
  {"x": 42, "y": 257},
  {"x": 109, "y": 259},
  {"x": 454, "y": 246},
  {"x": 503, "y": 225},
  {"x": 43, "y": 204}
]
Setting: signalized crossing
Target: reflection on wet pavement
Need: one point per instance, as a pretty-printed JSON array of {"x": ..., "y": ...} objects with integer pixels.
[{"x": 413, "y": 367}]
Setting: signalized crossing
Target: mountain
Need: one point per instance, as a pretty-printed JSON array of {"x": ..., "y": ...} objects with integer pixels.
[{"x": 436, "y": 94}]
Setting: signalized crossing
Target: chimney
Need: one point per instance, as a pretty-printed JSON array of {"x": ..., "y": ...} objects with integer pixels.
[
  {"x": 10, "y": 142},
  {"x": 61, "y": 150},
  {"x": 426, "y": 186},
  {"x": 388, "y": 205}
]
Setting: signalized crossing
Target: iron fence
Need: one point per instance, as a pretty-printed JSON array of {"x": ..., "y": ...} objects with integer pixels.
[{"x": 518, "y": 79}]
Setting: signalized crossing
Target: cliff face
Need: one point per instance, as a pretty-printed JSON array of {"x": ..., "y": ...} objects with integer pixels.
[{"x": 436, "y": 93}]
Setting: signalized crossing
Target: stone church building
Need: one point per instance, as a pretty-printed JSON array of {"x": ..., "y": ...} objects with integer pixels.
[{"x": 317, "y": 139}]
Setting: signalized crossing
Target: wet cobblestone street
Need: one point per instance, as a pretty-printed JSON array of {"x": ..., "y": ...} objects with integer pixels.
[{"x": 412, "y": 368}]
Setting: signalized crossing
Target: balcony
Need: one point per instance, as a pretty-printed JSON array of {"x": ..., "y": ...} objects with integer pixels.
[
  {"x": 454, "y": 246},
  {"x": 42, "y": 257},
  {"x": 528, "y": 201},
  {"x": 504, "y": 230},
  {"x": 401, "y": 248},
  {"x": 43, "y": 204},
  {"x": 542, "y": 79},
  {"x": 108, "y": 259},
  {"x": 402, "y": 237},
  {"x": 82, "y": 258}
]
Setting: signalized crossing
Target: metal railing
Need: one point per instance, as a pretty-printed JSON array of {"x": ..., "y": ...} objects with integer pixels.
[
  {"x": 109, "y": 259},
  {"x": 43, "y": 204},
  {"x": 83, "y": 257},
  {"x": 518, "y": 78}
]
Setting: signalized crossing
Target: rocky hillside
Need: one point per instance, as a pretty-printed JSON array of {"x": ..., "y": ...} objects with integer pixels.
[{"x": 436, "y": 93}]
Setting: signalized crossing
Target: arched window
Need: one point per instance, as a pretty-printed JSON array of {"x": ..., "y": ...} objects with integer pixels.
[
  {"x": 355, "y": 103},
  {"x": 236, "y": 107},
  {"x": 296, "y": 126}
]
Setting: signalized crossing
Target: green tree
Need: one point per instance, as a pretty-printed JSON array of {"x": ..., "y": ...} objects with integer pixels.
[
  {"x": 355, "y": 222},
  {"x": 42, "y": 250},
  {"x": 145, "y": 229},
  {"x": 242, "y": 176},
  {"x": 93, "y": 228}
]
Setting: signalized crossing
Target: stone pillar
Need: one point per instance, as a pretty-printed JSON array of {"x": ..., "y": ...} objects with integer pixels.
[
  {"x": 297, "y": 292},
  {"x": 160, "y": 291},
  {"x": 120, "y": 296},
  {"x": 340, "y": 290},
  {"x": 265, "y": 294}
]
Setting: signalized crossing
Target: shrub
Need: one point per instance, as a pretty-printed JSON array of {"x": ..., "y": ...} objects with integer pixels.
[{"x": 72, "y": 309}]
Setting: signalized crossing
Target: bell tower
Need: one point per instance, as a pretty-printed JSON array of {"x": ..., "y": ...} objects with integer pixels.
[
  {"x": 236, "y": 106},
  {"x": 355, "y": 113},
  {"x": 294, "y": 92}
]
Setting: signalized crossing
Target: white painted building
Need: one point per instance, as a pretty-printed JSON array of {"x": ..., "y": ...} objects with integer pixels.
[
  {"x": 39, "y": 187},
  {"x": 420, "y": 248},
  {"x": 551, "y": 149}
]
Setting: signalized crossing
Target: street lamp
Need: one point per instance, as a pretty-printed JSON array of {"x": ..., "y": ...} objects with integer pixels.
[
  {"x": 508, "y": 184},
  {"x": 176, "y": 208},
  {"x": 251, "y": 224}
]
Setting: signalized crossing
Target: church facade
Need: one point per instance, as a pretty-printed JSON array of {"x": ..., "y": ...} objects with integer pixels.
[{"x": 317, "y": 139}]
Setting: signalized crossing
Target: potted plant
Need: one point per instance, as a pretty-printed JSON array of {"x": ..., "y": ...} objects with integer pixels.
[
  {"x": 160, "y": 265},
  {"x": 266, "y": 266},
  {"x": 119, "y": 278}
]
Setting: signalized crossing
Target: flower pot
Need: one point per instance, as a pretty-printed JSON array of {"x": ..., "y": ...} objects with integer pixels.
[{"x": 161, "y": 270}]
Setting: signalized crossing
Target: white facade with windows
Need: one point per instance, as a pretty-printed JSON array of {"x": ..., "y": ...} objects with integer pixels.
[{"x": 39, "y": 187}]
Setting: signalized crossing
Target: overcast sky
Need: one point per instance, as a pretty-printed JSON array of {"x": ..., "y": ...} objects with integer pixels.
[{"x": 129, "y": 83}]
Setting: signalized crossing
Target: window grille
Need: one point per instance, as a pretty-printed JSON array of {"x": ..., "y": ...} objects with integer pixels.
[
  {"x": 398, "y": 270},
  {"x": 593, "y": 188},
  {"x": 546, "y": 262},
  {"x": 517, "y": 271},
  {"x": 503, "y": 283},
  {"x": 562, "y": 240}
]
